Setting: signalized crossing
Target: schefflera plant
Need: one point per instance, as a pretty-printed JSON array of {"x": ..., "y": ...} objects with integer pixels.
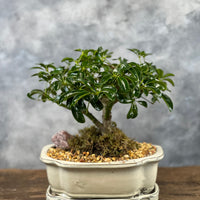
[{"x": 95, "y": 79}]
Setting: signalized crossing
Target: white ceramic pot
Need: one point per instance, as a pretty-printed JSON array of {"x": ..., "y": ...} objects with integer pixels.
[{"x": 102, "y": 180}]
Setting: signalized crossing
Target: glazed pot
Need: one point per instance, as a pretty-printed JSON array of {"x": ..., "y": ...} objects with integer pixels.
[{"x": 102, "y": 180}]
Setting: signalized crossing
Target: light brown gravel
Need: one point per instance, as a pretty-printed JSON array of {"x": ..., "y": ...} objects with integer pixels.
[{"x": 145, "y": 149}]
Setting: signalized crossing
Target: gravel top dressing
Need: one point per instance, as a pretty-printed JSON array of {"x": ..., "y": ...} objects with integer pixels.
[{"x": 144, "y": 150}]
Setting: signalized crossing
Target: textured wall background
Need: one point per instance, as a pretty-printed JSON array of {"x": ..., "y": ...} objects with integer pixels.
[{"x": 46, "y": 31}]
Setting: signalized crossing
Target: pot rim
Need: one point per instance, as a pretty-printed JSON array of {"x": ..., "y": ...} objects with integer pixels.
[{"x": 114, "y": 164}]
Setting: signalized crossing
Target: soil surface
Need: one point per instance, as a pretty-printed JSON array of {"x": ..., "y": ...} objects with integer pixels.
[{"x": 144, "y": 150}]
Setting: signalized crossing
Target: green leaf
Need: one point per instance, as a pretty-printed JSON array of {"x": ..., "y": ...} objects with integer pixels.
[
  {"x": 152, "y": 68},
  {"x": 78, "y": 50},
  {"x": 94, "y": 68},
  {"x": 36, "y": 74},
  {"x": 74, "y": 70},
  {"x": 123, "y": 67},
  {"x": 146, "y": 92},
  {"x": 135, "y": 51},
  {"x": 51, "y": 66},
  {"x": 69, "y": 102},
  {"x": 29, "y": 95},
  {"x": 78, "y": 115},
  {"x": 144, "y": 54},
  {"x": 34, "y": 92},
  {"x": 41, "y": 74},
  {"x": 105, "y": 77},
  {"x": 168, "y": 101},
  {"x": 145, "y": 69},
  {"x": 90, "y": 83},
  {"x": 132, "y": 83},
  {"x": 170, "y": 81},
  {"x": 168, "y": 74},
  {"x": 42, "y": 65},
  {"x": 67, "y": 59},
  {"x": 59, "y": 70},
  {"x": 110, "y": 92},
  {"x": 137, "y": 93},
  {"x": 81, "y": 105},
  {"x": 80, "y": 95},
  {"x": 154, "y": 98},
  {"x": 96, "y": 103},
  {"x": 162, "y": 84},
  {"x": 66, "y": 95},
  {"x": 139, "y": 53},
  {"x": 139, "y": 72},
  {"x": 134, "y": 73},
  {"x": 56, "y": 85},
  {"x": 37, "y": 68},
  {"x": 143, "y": 103},
  {"x": 154, "y": 90},
  {"x": 133, "y": 112},
  {"x": 44, "y": 97},
  {"x": 160, "y": 73},
  {"x": 123, "y": 84},
  {"x": 124, "y": 99}
]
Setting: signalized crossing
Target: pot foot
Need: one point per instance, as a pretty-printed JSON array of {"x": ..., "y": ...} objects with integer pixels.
[{"x": 153, "y": 195}]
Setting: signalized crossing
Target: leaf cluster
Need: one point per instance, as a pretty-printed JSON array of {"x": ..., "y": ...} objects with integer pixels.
[{"x": 94, "y": 76}]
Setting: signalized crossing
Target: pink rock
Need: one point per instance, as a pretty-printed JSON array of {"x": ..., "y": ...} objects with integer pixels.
[{"x": 60, "y": 139}]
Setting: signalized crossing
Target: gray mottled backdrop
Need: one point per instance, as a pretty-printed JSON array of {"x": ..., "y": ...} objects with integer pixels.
[{"x": 46, "y": 31}]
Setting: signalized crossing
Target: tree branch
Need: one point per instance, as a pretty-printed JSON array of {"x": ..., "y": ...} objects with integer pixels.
[{"x": 93, "y": 119}]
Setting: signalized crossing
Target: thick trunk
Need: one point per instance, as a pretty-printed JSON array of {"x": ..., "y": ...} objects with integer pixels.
[{"x": 107, "y": 115}]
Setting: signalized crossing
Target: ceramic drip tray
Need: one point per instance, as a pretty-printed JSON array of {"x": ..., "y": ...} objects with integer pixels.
[{"x": 153, "y": 195}]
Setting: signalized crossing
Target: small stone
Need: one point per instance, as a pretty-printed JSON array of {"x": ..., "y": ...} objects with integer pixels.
[
  {"x": 98, "y": 158},
  {"x": 60, "y": 139},
  {"x": 126, "y": 156},
  {"x": 107, "y": 159},
  {"x": 113, "y": 158},
  {"x": 78, "y": 152}
]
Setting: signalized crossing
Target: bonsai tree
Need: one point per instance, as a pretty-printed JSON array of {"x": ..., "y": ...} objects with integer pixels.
[{"x": 96, "y": 80}]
